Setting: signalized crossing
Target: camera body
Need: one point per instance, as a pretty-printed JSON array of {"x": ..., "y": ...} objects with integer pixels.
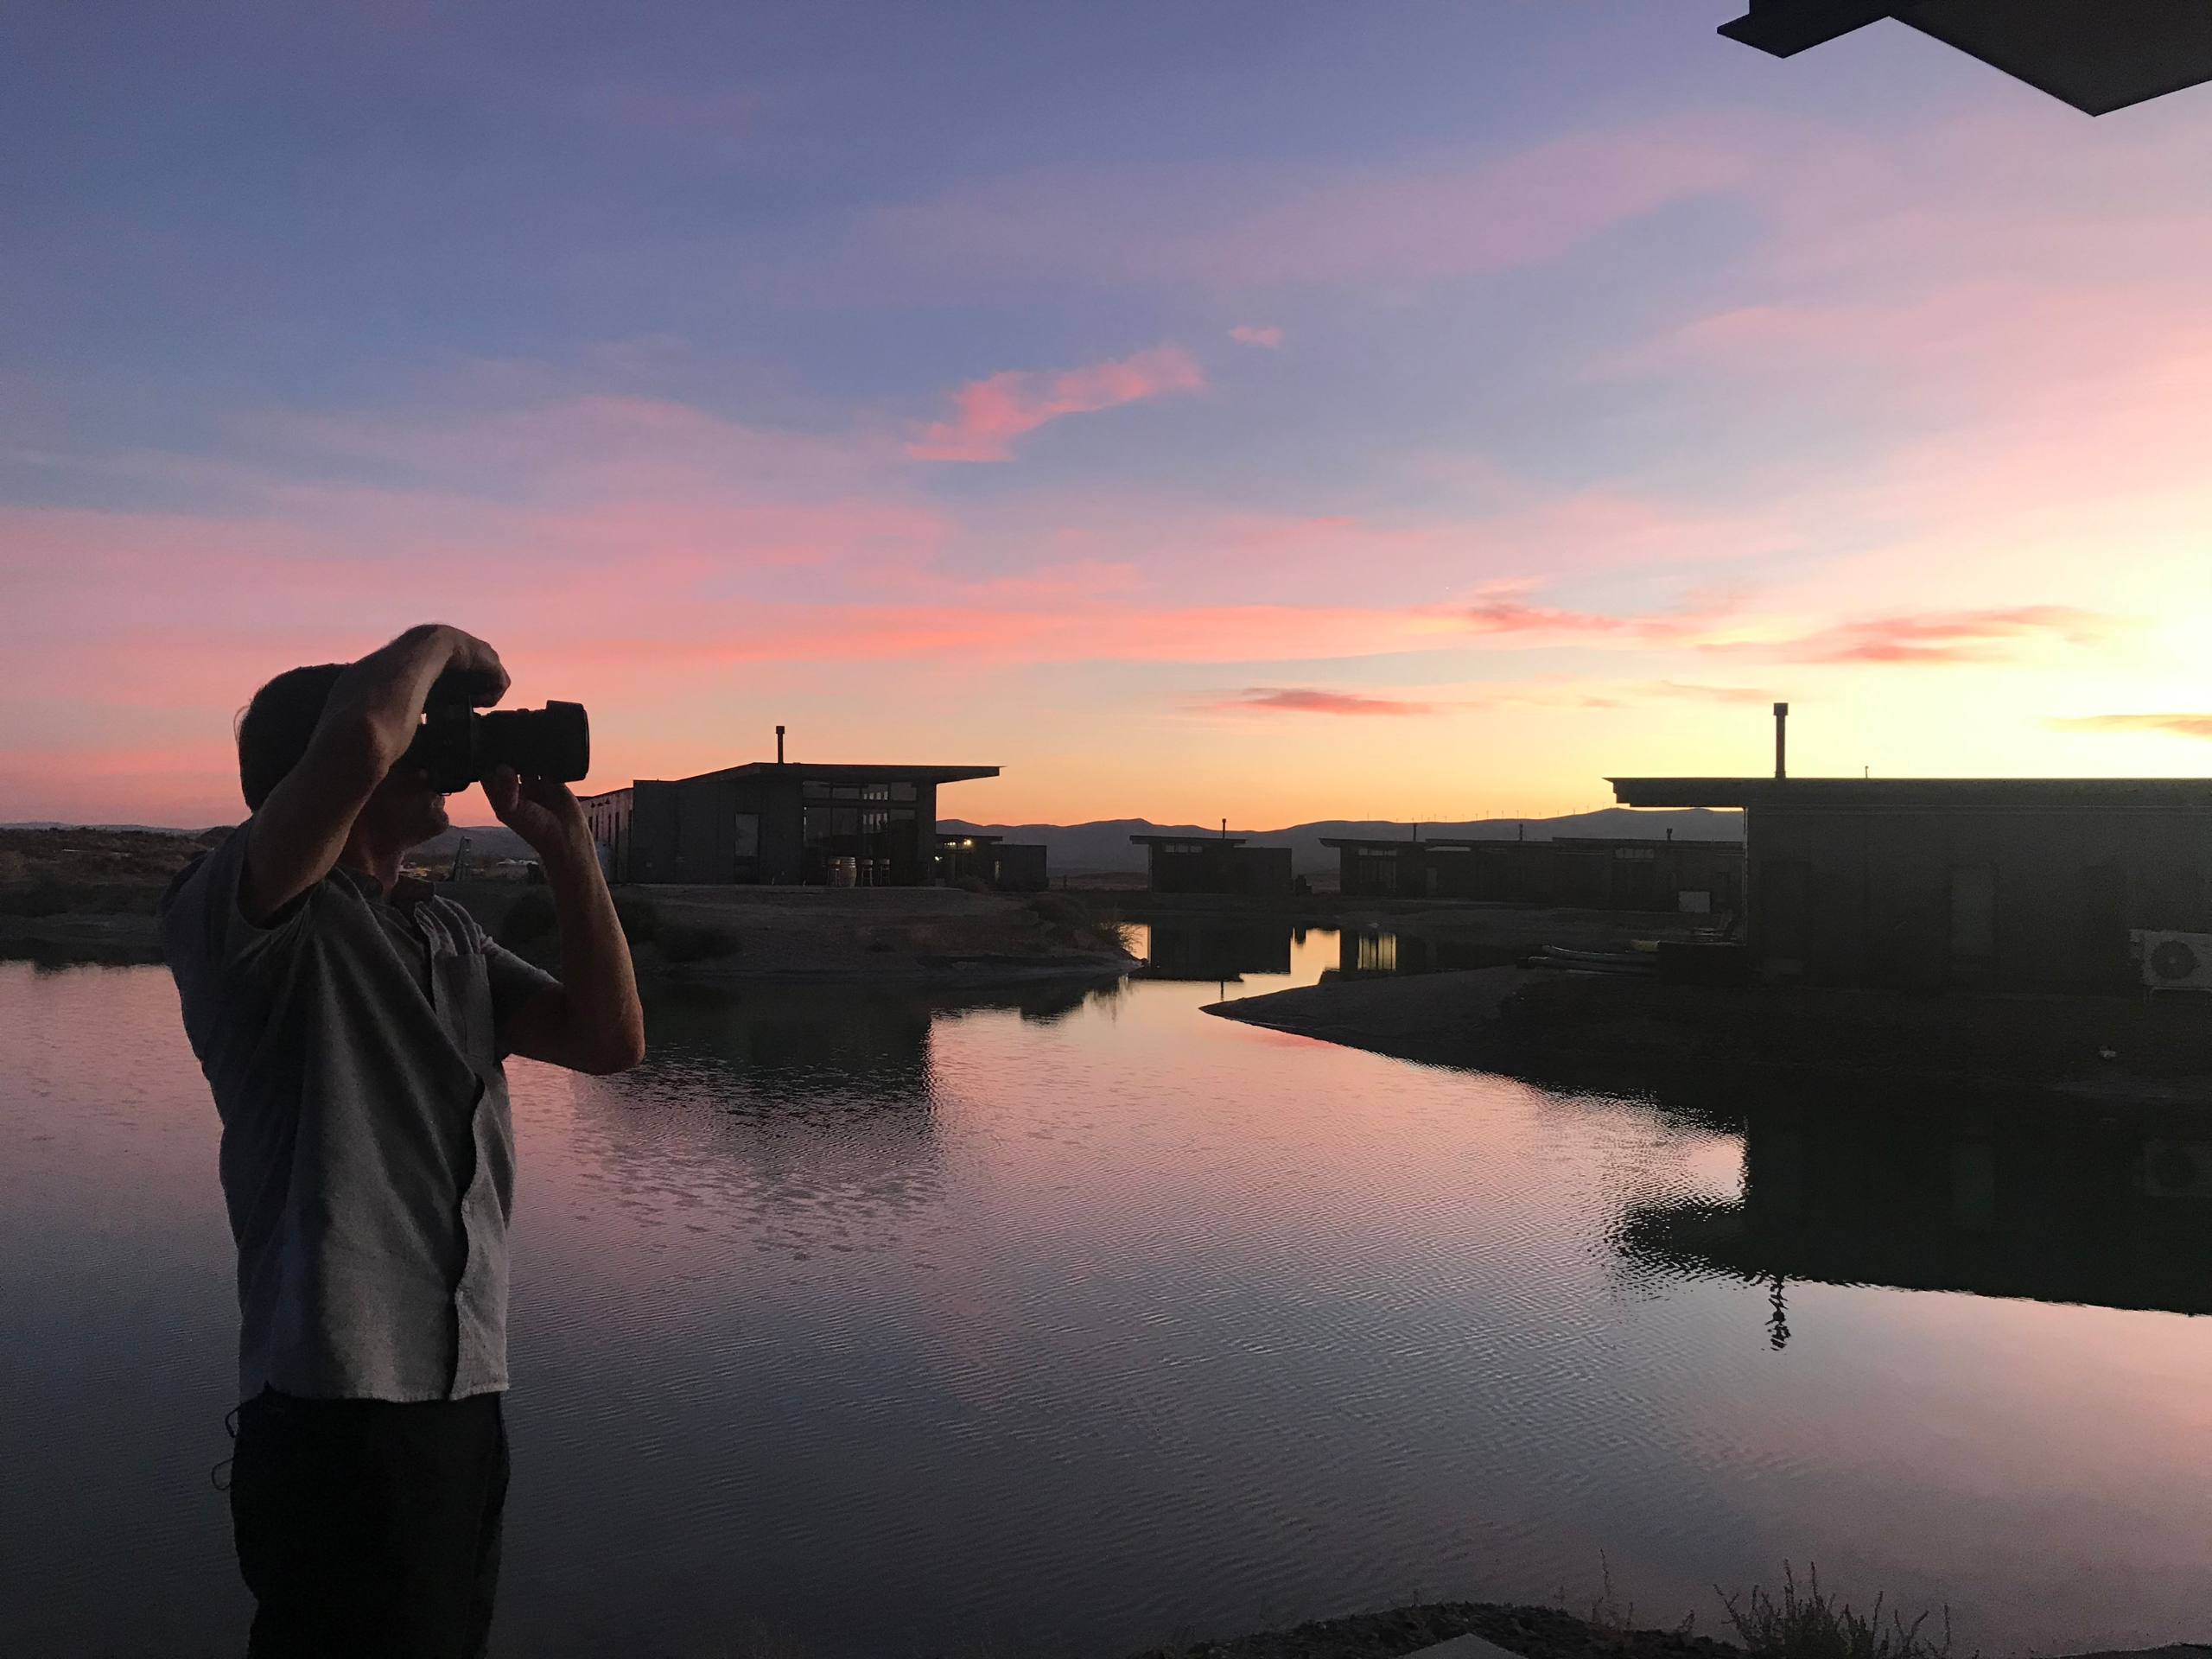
[{"x": 457, "y": 745}]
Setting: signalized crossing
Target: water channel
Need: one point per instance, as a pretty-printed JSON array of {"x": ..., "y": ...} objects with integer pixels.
[{"x": 1079, "y": 1321}]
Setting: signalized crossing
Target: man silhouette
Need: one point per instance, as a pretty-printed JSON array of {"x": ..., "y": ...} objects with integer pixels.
[{"x": 351, "y": 1024}]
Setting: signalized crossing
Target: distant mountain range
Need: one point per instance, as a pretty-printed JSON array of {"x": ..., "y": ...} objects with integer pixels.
[{"x": 1105, "y": 845}]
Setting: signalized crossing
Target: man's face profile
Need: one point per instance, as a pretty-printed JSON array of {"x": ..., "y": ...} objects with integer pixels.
[{"x": 404, "y": 811}]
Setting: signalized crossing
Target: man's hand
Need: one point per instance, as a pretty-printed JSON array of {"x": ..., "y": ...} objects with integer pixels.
[
  {"x": 591, "y": 1021},
  {"x": 542, "y": 812}
]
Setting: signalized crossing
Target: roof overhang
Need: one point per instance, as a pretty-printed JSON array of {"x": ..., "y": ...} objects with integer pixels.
[
  {"x": 2167, "y": 794},
  {"x": 2098, "y": 55},
  {"x": 831, "y": 773}
]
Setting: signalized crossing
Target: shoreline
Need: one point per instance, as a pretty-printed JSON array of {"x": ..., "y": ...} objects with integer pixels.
[{"x": 1614, "y": 1033}]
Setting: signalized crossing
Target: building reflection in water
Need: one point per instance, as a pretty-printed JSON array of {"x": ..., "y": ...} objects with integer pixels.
[
  {"x": 2053, "y": 1200},
  {"x": 1226, "y": 949},
  {"x": 1214, "y": 948}
]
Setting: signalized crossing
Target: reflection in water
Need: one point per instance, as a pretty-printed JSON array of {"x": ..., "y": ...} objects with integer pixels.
[
  {"x": 1078, "y": 1319},
  {"x": 2060, "y": 1202},
  {"x": 1227, "y": 949},
  {"x": 1219, "y": 948}
]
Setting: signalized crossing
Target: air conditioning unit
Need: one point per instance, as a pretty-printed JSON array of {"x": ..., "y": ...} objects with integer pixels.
[{"x": 2175, "y": 962}]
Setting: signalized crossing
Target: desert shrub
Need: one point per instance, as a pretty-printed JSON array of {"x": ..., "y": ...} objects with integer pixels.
[
  {"x": 641, "y": 918},
  {"x": 692, "y": 942},
  {"x": 40, "y": 896},
  {"x": 1072, "y": 922},
  {"x": 531, "y": 917},
  {"x": 1814, "y": 1626}
]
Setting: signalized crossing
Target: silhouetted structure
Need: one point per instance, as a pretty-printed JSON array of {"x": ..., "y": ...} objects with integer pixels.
[
  {"x": 1213, "y": 948},
  {"x": 2096, "y": 54},
  {"x": 1214, "y": 864},
  {"x": 774, "y": 824},
  {"x": 2053, "y": 1200},
  {"x": 1585, "y": 871},
  {"x": 1007, "y": 867},
  {"x": 1915, "y": 883}
]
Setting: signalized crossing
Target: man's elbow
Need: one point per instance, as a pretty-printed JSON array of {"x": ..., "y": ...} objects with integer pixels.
[{"x": 614, "y": 1054}]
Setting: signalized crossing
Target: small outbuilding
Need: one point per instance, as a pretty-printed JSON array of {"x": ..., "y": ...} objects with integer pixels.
[
  {"x": 2016, "y": 882},
  {"x": 1004, "y": 866},
  {"x": 1219, "y": 864}
]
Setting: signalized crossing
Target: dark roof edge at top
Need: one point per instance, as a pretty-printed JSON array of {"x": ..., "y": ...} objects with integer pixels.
[
  {"x": 838, "y": 773},
  {"x": 1786, "y": 28},
  {"x": 1915, "y": 791}
]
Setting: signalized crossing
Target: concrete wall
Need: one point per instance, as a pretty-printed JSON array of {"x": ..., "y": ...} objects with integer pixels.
[{"x": 1918, "y": 897}]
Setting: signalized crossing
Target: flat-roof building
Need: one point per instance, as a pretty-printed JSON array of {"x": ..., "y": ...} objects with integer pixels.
[
  {"x": 1214, "y": 864},
  {"x": 1589, "y": 872},
  {"x": 1004, "y": 866},
  {"x": 776, "y": 824},
  {"x": 1919, "y": 882}
]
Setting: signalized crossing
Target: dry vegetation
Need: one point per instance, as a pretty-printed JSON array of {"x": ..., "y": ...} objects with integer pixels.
[{"x": 91, "y": 871}]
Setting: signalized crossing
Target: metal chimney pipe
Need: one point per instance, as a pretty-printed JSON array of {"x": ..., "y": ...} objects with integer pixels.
[
  {"x": 779, "y": 743},
  {"x": 1780, "y": 740}
]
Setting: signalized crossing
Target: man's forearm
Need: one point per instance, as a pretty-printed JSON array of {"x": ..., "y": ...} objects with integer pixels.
[{"x": 607, "y": 1026}]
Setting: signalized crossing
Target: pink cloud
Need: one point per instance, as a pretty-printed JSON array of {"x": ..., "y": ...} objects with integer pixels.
[
  {"x": 1307, "y": 701},
  {"x": 1508, "y": 616},
  {"x": 1944, "y": 636},
  {"x": 1250, "y": 334},
  {"x": 2177, "y": 725},
  {"x": 990, "y": 413}
]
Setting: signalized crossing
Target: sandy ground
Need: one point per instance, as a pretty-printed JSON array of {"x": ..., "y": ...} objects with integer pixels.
[{"x": 1610, "y": 1031}]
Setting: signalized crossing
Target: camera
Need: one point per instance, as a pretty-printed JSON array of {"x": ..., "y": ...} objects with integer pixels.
[{"x": 457, "y": 745}]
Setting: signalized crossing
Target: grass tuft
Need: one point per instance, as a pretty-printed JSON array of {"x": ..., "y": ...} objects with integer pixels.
[{"x": 1813, "y": 1624}]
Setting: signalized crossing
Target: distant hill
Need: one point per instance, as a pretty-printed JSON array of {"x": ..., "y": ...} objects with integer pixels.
[
  {"x": 485, "y": 841},
  {"x": 1105, "y": 845}
]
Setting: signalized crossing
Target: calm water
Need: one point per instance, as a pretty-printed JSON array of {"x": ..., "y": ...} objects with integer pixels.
[{"x": 1096, "y": 1322}]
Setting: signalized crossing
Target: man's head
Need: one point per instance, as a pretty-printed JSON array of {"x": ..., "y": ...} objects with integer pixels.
[{"x": 273, "y": 735}]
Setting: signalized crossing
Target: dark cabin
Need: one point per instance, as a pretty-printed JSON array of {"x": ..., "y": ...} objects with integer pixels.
[
  {"x": 1219, "y": 864},
  {"x": 2028, "y": 883},
  {"x": 1700, "y": 876},
  {"x": 1004, "y": 866},
  {"x": 773, "y": 825}
]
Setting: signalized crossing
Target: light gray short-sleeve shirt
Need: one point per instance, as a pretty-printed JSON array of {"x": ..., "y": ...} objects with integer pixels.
[{"x": 367, "y": 1154}]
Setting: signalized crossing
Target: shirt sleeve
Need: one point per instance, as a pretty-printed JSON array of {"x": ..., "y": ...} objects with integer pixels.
[
  {"x": 513, "y": 981},
  {"x": 204, "y": 932}
]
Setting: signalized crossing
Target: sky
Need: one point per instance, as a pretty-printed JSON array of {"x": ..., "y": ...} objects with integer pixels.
[{"x": 1261, "y": 411}]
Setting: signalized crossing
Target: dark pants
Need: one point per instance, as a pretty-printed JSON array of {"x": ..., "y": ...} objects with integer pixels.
[{"x": 368, "y": 1529}]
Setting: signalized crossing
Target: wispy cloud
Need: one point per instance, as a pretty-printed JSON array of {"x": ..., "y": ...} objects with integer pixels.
[
  {"x": 1511, "y": 616},
  {"x": 1707, "y": 693},
  {"x": 1937, "y": 636},
  {"x": 1305, "y": 700},
  {"x": 990, "y": 413},
  {"x": 2177, "y": 725},
  {"x": 1252, "y": 334}
]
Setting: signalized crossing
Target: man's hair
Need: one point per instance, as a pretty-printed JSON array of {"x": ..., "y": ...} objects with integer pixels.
[{"x": 274, "y": 730}]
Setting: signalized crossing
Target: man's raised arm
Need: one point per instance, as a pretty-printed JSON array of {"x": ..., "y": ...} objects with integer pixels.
[
  {"x": 591, "y": 1021},
  {"x": 370, "y": 719}
]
